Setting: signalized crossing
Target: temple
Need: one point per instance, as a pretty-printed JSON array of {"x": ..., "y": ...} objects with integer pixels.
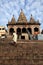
[{"x": 22, "y": 27}]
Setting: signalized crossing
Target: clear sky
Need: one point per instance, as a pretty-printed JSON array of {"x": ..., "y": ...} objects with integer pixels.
[{"x": 8, "y": 8}]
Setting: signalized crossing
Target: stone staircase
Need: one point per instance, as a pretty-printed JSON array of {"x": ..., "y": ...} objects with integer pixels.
[{"x": 25, "y": 53}]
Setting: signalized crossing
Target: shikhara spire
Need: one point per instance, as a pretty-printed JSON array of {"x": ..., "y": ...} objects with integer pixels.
[
  {"x": 32, "y": 20},
  {"x": 13, "y": 21},
  {"x": 22, "y": 18}
]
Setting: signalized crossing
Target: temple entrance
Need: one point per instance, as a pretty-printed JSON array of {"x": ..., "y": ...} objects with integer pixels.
[
  {"x": 11, "y": 31},
  {"x": 18, "y": 32},
  {"x": 24, "y": 30},
  {"x": 29, "y": 30}
]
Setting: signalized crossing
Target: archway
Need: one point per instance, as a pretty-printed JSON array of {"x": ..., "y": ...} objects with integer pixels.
[
  {"x": 36, "y": 29},
  {"x": 29, "y": 30},
  {"x": 18, "y": 32},
  {"x": 24, "y": 30},
  {"x": 11, "y": 31}
]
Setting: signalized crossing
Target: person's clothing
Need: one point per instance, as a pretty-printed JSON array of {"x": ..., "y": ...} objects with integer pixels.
[
  {"x": 15, "y": 37},
  {"x": 14, "y": 40},
  {"x": 13, "y": 43}
]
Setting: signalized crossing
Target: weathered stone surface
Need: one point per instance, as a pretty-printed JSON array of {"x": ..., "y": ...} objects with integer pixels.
[{"x": 23, "y": 54}]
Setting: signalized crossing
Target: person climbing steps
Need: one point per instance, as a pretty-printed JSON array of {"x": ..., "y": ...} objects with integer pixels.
[{"x": 14, "y": 39}]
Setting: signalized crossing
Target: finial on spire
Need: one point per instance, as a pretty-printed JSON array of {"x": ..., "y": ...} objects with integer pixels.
[
  {"x": 13, "y": 15},
  {"x": 31, "y": 15},
  {"x": 21, "y": 9}
]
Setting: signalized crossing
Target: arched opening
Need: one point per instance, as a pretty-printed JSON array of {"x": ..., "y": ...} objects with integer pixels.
[
  {"x": 18, "y": 32},
  {"x": 11, "y": 31},
  {"x": 36, "y": 29},
  {"x": 24, "y": 30},
  {"x": 29, "y": 30}
]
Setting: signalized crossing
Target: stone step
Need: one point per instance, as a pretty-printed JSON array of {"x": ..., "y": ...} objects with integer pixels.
[{"x": 25, "y": 53}]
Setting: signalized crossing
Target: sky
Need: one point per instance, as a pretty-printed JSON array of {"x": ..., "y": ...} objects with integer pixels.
[{"x": 8, "y": 8}]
